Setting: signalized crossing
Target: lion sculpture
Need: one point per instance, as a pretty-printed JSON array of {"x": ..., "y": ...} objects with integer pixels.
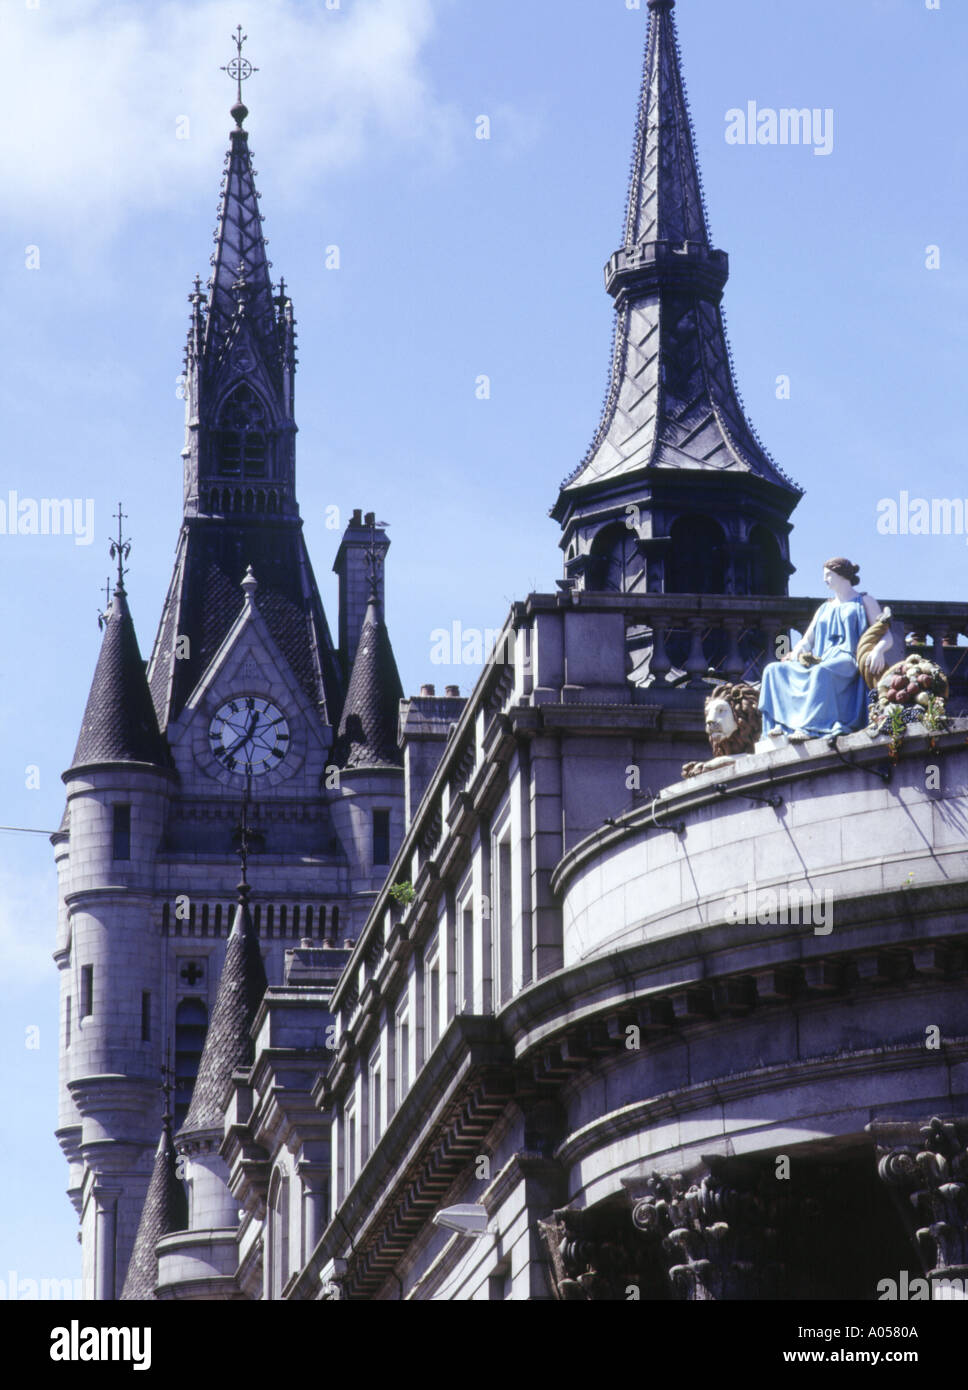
[{"x": 733, "y": 725}]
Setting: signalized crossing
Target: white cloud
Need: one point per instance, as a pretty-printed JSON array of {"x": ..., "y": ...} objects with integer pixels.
[{"x": 93, "y": 91}]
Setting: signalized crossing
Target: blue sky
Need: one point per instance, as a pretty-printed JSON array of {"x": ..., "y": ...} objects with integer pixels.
[{"x": 459, "y": 257}]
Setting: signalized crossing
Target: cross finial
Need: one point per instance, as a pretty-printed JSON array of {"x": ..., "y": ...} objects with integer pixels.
[
  {"x": 239, "y": 70},
  {"x": 120, "y": 550}
]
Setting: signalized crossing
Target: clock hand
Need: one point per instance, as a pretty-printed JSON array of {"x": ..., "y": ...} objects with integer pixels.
[{"x": 244, "y": 738}]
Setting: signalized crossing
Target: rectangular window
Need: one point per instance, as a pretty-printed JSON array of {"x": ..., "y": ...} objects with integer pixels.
[
  {"x": 403, "y": 1053},
  {"x": 499, "y": 1284},
  {"x": 502, "y": 941},
  {"x": 349, "y": 1160},
  {"x": 465, "y": 984},
  {"x": 145, "y": 1016},
  {"x": 67, "y": 1023},
  {"x": 87, "y": 990},
  {"x": 432, "y": 1003},
  {"x": 381, "y": 837},
  {"x": 122, "y": 832},
  {"x": 375, "y": 1100}
]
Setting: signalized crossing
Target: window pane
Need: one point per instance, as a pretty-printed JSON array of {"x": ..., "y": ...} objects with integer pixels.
[{"x": 122, "y": 832}]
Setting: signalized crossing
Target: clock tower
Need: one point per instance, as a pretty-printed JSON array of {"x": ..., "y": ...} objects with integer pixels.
[{"x": 240, "y": 705}]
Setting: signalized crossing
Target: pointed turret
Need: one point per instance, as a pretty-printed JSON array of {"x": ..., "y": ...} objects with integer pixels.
[
  {"x": 368, "y": 729},
  {"x": 228, "y": 1044},
  {"x": 119, "y": 724},
  {"x": 674, "y": 456},
  {"x": 240, "y": 287},
  {"x": 165, "y": 1210}
]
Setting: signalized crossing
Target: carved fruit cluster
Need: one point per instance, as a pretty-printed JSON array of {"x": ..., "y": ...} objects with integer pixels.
[{"x": 914, "y": 685}]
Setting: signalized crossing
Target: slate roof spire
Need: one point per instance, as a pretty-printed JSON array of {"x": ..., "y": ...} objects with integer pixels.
[
  {"x": 165, "y": 1210},
  {"x": 368, "y": 728},
  {"x": 239, "y": 461},
  {"x": 228, "y": 1044},
  {"x": 665, "y": 199},
  {"x": 240, "y": 278},
  {"x": 119, "y": 724},
  {"x": 672, "y": 404}
]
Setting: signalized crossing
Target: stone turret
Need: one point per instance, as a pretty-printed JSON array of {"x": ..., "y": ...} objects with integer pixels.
[
  {"x": 369, "y": 814},
  {"x": 110, "y": 951}
]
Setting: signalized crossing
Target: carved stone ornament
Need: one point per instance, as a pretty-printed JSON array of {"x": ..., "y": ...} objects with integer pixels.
[{"x": 930, "y": 1174}]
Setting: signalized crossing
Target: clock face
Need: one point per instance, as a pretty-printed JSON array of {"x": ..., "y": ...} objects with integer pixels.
[{"x": 249, "y": 736}]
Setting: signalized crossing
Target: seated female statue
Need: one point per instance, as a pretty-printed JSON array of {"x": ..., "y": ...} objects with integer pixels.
[{"x": 818, "y": 689}]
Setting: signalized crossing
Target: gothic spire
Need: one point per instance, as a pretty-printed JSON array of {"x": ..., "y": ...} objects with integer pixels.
[
  {"x": 240, "y": 283},
  {"x": 240, "y": 505},
  {"x": 672, "y": 405},
  {"x": 665, "y": 201}
]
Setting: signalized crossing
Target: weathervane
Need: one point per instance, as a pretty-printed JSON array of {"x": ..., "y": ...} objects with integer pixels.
[
  {"x": 120, "y": 550},
  {"x": 373, "y": 555},
  {"x": 102, "y": 613},
  {"x": 243, "y": 834},
  {"x": 167, "y": 1082},
  {"x": 239, "y": 69}
]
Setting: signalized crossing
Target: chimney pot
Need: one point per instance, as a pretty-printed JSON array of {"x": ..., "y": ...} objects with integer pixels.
[
  {"x": 428, "y": 690},
  {"x": 357, "y": 518},
  {"x": 370, "y": 519},
  {"x": 453, "y": 691}
]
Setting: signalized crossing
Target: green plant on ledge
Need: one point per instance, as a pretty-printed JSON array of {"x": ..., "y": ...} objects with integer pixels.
[
  {"x": 934, "y": 716},
  {"x": 403, "y": 894},
  {"x": 897, "y": 732}
]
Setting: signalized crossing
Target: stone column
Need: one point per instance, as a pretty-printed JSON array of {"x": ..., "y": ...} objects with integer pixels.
[
  {"x": 314, "y": 1177},
  {"x": 105, "y": 1239},
  {"x": 926, "y": 1167}
]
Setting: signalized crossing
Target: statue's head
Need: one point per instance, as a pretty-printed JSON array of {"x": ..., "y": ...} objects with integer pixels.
[
  {"x": 843, "y": 567},
  {"x": 720, "y": 718},
  {"x": 733, "y": 720}
]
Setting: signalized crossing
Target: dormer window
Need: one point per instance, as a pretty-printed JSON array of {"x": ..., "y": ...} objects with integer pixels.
[{"x": 241, "y": 446}]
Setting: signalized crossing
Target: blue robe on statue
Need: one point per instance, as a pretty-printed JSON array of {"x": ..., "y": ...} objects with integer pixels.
[{"x": 830, "y": 698}]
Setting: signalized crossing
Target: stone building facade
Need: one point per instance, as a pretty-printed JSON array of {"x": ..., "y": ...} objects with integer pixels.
[{"x": 625, "y": 1035}]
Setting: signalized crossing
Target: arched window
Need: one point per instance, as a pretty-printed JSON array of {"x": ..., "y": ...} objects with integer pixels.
[
  {"x": 191, "y": 1025},
  {"x": 769, "y": 573},
  {"x": 616, "y": 564},
  {"x": 278, "y": 1234},
  {"x": 241, "y": 440},
  {"x": 697, "y": 563}
]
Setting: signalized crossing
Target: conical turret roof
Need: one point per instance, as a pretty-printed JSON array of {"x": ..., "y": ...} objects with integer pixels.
[
  {"x": 119, "y": 724},
  {"x": 165, "y": 1210},
  {"x": 228, "y": 1044},
  {"x": 368, "y": 728}
]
